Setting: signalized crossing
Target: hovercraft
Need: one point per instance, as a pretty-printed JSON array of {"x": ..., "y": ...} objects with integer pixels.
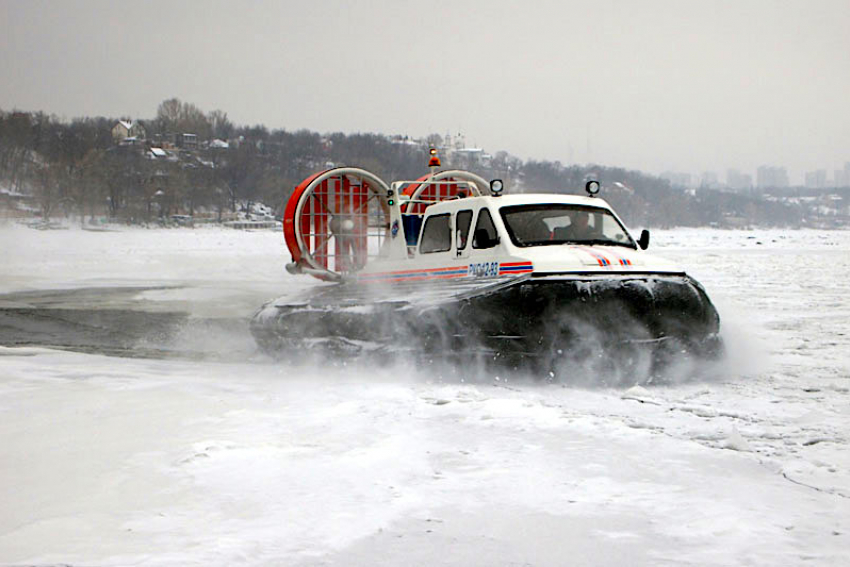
[{"x": 449, "y": 266}]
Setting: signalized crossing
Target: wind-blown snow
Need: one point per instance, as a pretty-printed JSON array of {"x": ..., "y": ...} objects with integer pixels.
[{"x": 119, "y": 461}]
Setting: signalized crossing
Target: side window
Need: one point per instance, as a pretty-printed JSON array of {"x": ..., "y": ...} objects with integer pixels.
[
  {"x": 412, "y": 227},
  {"x": 437, "y": 235},
  {"x": 485, "y": 231},
  {"x": 463, "y": 220}
]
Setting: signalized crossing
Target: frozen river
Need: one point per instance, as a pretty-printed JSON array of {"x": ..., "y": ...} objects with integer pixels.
[{"x": 155, "y": 434}]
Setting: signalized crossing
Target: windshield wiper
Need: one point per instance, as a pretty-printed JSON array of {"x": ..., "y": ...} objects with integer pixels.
[
  {"x": 589, "y": 242},
  {"x": 606, "y": 242},
  {"x": 528, "y": 243}
]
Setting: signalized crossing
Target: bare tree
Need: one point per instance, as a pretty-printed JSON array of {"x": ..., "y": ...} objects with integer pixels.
[
  {"x": 47, "y": 182},
  {"x": 168, "y": 115},
  {"x": 220, "y": 126}
]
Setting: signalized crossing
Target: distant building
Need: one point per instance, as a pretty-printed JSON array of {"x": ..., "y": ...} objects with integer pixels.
[
  {"x": 158, "y": 153},
  {"x": 676, "y": 179},
  {"x": 124, "y": 129},
  {"x": 816, "y": 179},
  {"x": 842, "y": 176},
  {"x": 472, "y": 155},
  {"x": 708, "y": 180},
  {"x": 187, "y": 141},
  {"x": 770, "y": 176},
  {"x": 737, "y": 181},
  {"x": 455, "y": 148},
  {"x": 132, "y": 141}
]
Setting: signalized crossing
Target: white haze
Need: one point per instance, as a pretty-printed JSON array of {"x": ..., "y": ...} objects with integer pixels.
[{"x": 651, "y": 85}]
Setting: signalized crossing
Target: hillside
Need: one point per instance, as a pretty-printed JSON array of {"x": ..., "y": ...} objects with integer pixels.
[{"x": 195, "y": 164}]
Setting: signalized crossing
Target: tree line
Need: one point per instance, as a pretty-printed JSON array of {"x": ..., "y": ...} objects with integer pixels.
[{"x": 77, "y": 168}]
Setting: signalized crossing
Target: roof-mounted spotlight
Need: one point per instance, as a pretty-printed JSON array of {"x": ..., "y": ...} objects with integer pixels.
[
  {"x": 496, "y": 187},
  {"x": 435, "y": 159},
  {"x": 592, "y": 187}
]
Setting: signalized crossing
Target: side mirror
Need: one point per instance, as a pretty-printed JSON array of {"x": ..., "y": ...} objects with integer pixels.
[{"x": 643, "y": 241}]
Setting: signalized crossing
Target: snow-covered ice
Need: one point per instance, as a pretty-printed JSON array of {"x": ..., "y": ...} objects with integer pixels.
[{"x": 242, "y": 460}]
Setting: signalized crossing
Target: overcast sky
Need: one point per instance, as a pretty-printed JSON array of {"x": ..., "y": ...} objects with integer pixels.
[{"x": 645, "y": 84}]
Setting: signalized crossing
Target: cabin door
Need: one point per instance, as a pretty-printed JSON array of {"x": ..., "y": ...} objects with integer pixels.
[{"x": 463, "y": 223}]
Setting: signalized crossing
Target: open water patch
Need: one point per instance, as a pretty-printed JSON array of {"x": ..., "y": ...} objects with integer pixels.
[{"x": 110, "y": 321}]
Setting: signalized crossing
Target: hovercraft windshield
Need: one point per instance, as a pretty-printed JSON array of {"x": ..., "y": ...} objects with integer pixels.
[{"x": 548, "y": 224}]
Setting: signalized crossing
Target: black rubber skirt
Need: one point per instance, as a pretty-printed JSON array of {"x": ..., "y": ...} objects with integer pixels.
[{"x": 527, "y": 318}]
